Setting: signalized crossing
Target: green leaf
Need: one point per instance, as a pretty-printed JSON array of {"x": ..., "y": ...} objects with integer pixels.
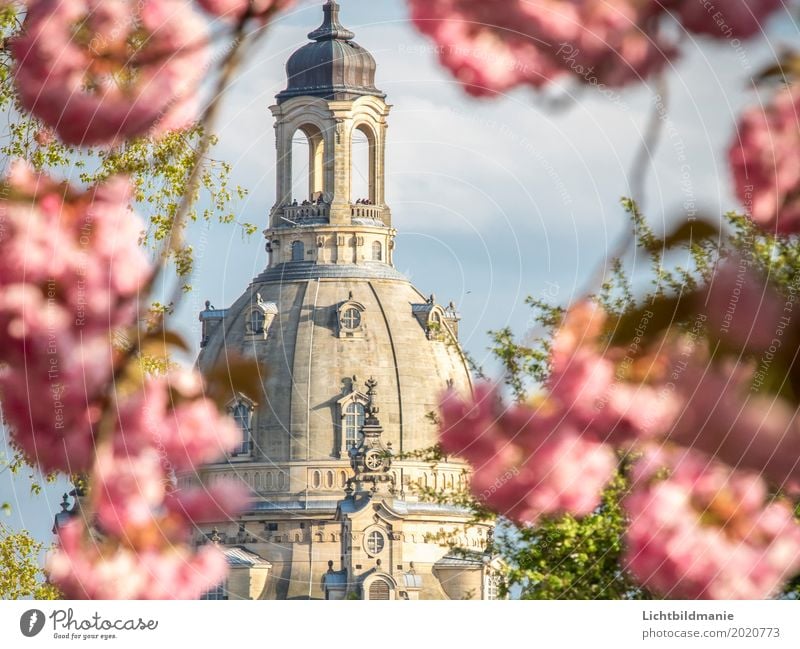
[
  {"x": 690, "y": 232},
  {"x": 166, "y": 338},
  {"x": 233, "y": 376},
  {"x": 647, "y": 321}
]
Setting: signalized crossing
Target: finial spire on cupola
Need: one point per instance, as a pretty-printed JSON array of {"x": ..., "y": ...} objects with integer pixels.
[{"x": 331, "y": 28}]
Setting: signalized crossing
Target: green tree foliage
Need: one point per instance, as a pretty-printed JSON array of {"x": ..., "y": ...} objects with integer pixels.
[
  {"x": 21, "y": 576},
  {"x": 567, "y": 558}
]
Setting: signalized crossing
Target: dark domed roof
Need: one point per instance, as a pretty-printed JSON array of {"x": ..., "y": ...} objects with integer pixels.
[{"x": 331, "y": 67}]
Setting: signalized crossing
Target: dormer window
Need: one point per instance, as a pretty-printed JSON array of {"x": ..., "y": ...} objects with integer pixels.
[
  {"x": 256, "y": 322},
  {"x": 259, "y": 318},
  {"x": 242, "y": 412}
]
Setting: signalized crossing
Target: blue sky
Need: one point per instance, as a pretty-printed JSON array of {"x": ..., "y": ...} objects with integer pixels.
[{"x": 493, "y": 200}]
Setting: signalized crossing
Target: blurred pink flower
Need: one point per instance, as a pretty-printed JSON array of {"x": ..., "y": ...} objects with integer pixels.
[
  {"x": 213, "y": 504},
  {"x": 615, "y": 394},
  {"x": 725, "y": 418},
  {"x": 100, "y": 71},
  {"x": 526, "y": 463},
  {"x": 726, "y": 19},
  {"x": 765, "y": 164},
  {"x": 700, "y": 530},
  {"x": 171, "y": 414},
  {"x": 483, "y": 44},
  {"x": 236, "y": 9},
  {"x": 742, "y": 306},
  {"x": 70, "y": 270},
  {"x": 492, "y": 46},
  {"x": 142, "y": 520},
  {"x": 128, "y": 490},
  {"x": 84, "y": 567}
]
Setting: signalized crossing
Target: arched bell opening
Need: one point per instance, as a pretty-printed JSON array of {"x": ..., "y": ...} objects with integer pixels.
[
  {"x": 363, "y": 165},
  {"x": 308, "y": 158}
]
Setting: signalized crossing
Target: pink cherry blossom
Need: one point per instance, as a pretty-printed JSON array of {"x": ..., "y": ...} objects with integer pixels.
[
  {"x": 84, "y": 566},
  {"x": 727, "y": 19},
  {"x": 616, "y": 394},
  {"x": 765, "y": 165},
  {"x": 70, "y": 270},
  {"x": 99, "y": 71},
  {"x": 482, "y": 46},
  {"x": 142, "y": 520},
  {"x": 526, "y": 463},
  {"x": 743, "y": 308},
  {"x": 213, "y": 504},
  {"x": 493, "y": 46},
  {"x": 724, "y": 417},
  {"x": 171, "y": 414},
  {"x": 236, "y": 9},
  {"x": 700, "y": 530},
  {"x": 128, "y": 490},
  {"x": 165, "y": 427}
]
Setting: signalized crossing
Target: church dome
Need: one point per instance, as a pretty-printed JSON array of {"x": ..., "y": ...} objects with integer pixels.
[
  {"x": 326, "y": 331},
  {"x": 333, "y": 66}
]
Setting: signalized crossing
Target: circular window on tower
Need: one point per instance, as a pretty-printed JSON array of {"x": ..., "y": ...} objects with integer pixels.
[
  {"x": 374, "y": 542},
  {"x": 351, "y": 319}
]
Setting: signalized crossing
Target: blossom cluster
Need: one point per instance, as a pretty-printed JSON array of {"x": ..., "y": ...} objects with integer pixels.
[
  {"x": 495, "y": 45},
  {"x": 102, "y": 71},
  {"x": 764, "y": 162},
  {"x": 701, "y": 530},
  {"x": 70, "y": 271},
  {"x": 527, "y": 462},
  {"x": 238, "y": 9},
  {"x": 137, "y": 544},
  {"x": 698, "y": 528}
]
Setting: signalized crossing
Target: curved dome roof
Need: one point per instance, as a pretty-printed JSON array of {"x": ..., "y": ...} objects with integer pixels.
[
  {"x": 310, "y": 364},
  {"x": 333, "y": 66}
]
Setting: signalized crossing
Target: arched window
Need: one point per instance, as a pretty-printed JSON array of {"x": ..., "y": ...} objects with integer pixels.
[
  {"x": 298, "y": 251},
  {"x": 243, "y": 415},
  {"x": 353, "y": 422},
  {"x": 377, "y": 251}
]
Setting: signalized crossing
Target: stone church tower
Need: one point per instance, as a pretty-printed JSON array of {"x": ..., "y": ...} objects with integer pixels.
[{"x": 354, "y": 362}]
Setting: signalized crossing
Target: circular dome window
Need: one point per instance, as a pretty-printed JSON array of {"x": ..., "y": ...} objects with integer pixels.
[{"x": 351, "y": 318}]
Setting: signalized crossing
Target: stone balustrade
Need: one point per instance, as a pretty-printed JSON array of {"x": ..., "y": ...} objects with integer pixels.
[{"x": 374, "y": 212}]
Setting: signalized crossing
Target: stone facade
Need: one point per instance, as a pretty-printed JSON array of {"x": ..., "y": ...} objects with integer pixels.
[{"x": 341, "y": 336}]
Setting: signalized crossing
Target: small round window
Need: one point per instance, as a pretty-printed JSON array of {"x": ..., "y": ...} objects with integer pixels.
[
  {"x": 351, "y": 318},
  {"x": 375, "y": 542}
]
